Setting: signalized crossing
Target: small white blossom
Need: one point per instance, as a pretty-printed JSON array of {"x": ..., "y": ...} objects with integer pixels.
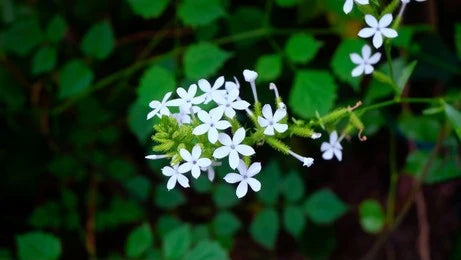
[
  {"x": 209, "y": 91},
  {"x": 377, "y": 29},
  {"x": 233, "y": 147},
  {"x": 307, "y": 161},
  {"x": 245, "y": 177},
  {"x": 193, "y": 162},
  {"x": 175, "y": 176},
  {"x": 250, "y": 77},
  {"x": 211, "y": 123},
  {"x": 183, "y": 117},
  {"x": 160, "y": 108},
  {"x": 271, "y": 121},
  {"x": 156, "y": 157},
  {"x": 347, "y": 8},
  {"x": 230, "y": 102},
  {"x": 332, "y": 148},
  {"x": 187, "y": 99},
  {"x": 365, "y": 62},
  {"x": 316, "y": 135}
]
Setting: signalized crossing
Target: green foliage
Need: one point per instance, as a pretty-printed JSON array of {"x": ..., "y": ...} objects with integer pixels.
[
  {"x": 324, "y": 207},
  {"x": 99, "y": 41},
  {"x": 293, "y": 187},
  {"x": 287, "y": 3},
  {"x": 200, "y": 12},
  {"x": 313, "y": 91},
  {"x": 423, "y": 129},
  {"x": 56, "y": 29},
  {"x": 176, "y": 242},
  {"x": 265, "y": 227},
  {"x": 269, "y": 67},
  {"x": 38, "y": 246},
  {"x": 226, "y": 224},
  {"x": 441, "y": 170},
  {"x": 270, "y": 178},
  {"x": 139, "y": 186},
  {"x": 207, "y": 250},
  {"x": 302, "y": 48},
  {"x": 371, "y": 216},
  {"x": 139, "y": 240},
  {"x": 458, "y": 39},
  {"x": 148, "y": 9},
  {"x": 119, "y": 212},
  {"x": 294, "y": 220},
  {"x": 224, "y": 196},
  {"x": 22, "y": 36},
  {"x": 203, "y": 60},
  {"x": 74, "y": 78},
  {"x": 166, "y": 199},
  {"x": 44, "y": 60},
  {"x": 341, "y": 63},
  {"x": 406, "y": 74},
  {"x": 454, "y": 116}
]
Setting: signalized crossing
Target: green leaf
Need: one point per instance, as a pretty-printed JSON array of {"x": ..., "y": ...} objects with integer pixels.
[
  {"x": 324, "y": 207},
  {"x": 99, "y": 41},
  {"x": 74, "y": 78},
  {"x": 406, "y": 74},
  {"x": 155, "y": 83},
  {"x": 224, "y": 196},
  {"x": 22, "y": 36},
  {"x": 226, "y": 224},
  {"x": 200, "y": 12},
  {"x": 270, "y": 179},
  {"x": 139, "y": 240},
  {"x": 422, "y": 128},
  {"x": 301, "y": 48},
  {"x": 120, "y": 211},
  {"x": 168, "y": 199},
  {"x": 341, "y": 62},
  {"x": 294, "y": 220},
  {"x": 44, "y": 60},
  {"x": 371, "y": 216},
  {"x": 286, "y": 3},
  {"x": 56, "y": 29},
  {"x": 207, "y": 250},
  {"x": 265, "y": 227},
  {"x": 454, "y": 116},
  {"x": 203, "y": 60},
  {"x": 313, "y": 91},
  {"x": 139, "y": 186},
  {"x": 166, "y": 223},
  {"x": 293, "y": 187},
  {"x": 269, "y": 67},
  {"x": 244, "y": 19},
  {"x": 441, "y": 169},
  {"x": 38, "y": 246},
  {"x": 458, "y": 39},
  {"x": 47, "y": 215},
  {"x": 148, "y": 8},
  {"x": 176, "y": 242},
  {"x": 405, "y": 36}
]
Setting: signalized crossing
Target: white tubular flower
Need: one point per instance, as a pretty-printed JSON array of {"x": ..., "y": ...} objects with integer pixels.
[
  {"x": 273, "y": 87},
  {"x": 231, "y": 102},
  {"x": 332, "y": 148},
  {"x": 156, "y": 157},
  {"x": 206, "y": 87},
  {"x": 187, "y": 99},
  {"x": 307, "y": 161},
  {"x": 245, "y": 178},
  {"x": 377, "y": 29},
  {"x": 211, "y": 123},
  {"x": 316, "y": 135},
  {"x": 175, "y": 176},
  {"x": 347, "y": 8},
  {"x": 271, "y": 121},
  {"x": 365, "y": 62},
  {"x": 250, "y": 77},
  {"x": 193, "y": 162},
  {"x": 233, "y": 147},
  {"x": 160, "y": 108}
]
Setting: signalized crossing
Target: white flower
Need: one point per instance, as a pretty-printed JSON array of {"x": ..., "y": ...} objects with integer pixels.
[
  {"x": 230, "y": 102},
  {"x": 377, "y": 29},
  {"x": 183, "y": 117},
  {"x": 156, "y": 157},
  {"x": 365, "y": 62},
  {"x": 175, "y": 176},
  {"x": 347, "y": 8},
  {"x": 271, "y": 121},
  {"x": 250, "y": 77},
  {"x": 193, "y": 162},
  {"x": 332, "y": 148},
  {"x": 160, "y": 108},
  {"x": 307, "y": 161},
  {"x": 316, "y": 135},
  {"x": 407, "y": 1},
  {"x": 206, "y": 87},
  {"x": 187, "y": 99},
  {"x": 245, "y": 178},
  {"x": 231, "y": 85},
  {"x": 211, "y": 123},
  {"x": 233, "y": 147}
]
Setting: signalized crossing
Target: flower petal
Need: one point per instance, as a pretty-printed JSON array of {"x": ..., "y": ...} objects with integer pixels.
[
  {"x": 281, "y": 128},
  {"x": 366, "y": 52},
  {"x": 221, "y": 125},
  {"x": 242, "y": 189},
  {"x": 269, "y": 130},
  {"x": 347, "y": 8},
  {"x": 371, "y": 21},
  {"x": 242, "y": 167},
  {"x": 201, "y": 129},
  {"x": 355, "y": 58},
  {"x": 185, "y": 155},
  {"x": 213, "y": 135},
  {"x": 183, "y": 181},
  {"x": 196, "y": 152},
  {"x": 389, "y": 33},
  {"x": 238, "y": 136},
  {"x": 204, "y": 162},
  {"x": 204, "y": 85},
  {"x": 254, "y": 184},
  {"x": 230, "y": 112},
  {"x": 195, "y": 171},
  {"x": 245, "y": 149},
  {"x": 338, "y": 154},
  {"x": 203, "y": 116},
  {"x": 263, "y": 122},
  {"x": 362, "y": 2},
  {"x": 233, "y": 94},
  {"x": 192, "y": 90},
  {"x": 254, "y": 169},
  {"x": 181, "y": 92},
  {"x": 218, "y": 83},
  {"x": 185, "y": 167},
  {"x": 328, "y": 154},
  {"x": 377, "y": 40},
  {"x": 375, "y": 58},
  {"x": 240, "y": 105},
  {"x": 358, "y": 71},
  {"x": 221, "y": 152},
  {"x": 216, "y": 114},
  {"x": 369, "y": 69},
  {"x": 233, "y": 178},
  {"x": 279, "y": 115},
  {"x": 325, "y": 146},
  {"x": 385, "y": 21},
  {"x": 267, "y": 111},
  {"x": 367, "y": 32},
  {"x": 333, "y": 137},
  {"x": 171, "y": 182},
  {"x": 168, "y": 171},
  {"x": 155, "y": 104},
  {"x": 225, "y": 139},
  {"x": 233, "y": 159}
]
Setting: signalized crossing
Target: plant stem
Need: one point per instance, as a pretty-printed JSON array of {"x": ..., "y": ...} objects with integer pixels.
[
  {"x": 398, "y": 101},
  {"x": 392, "y": 182}
]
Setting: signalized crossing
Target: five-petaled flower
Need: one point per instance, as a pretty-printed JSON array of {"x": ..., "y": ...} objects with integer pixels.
[
  {"x": 245, "y": 177},
  {"x": 347, "y": 8},
  {"x": 209, "y": 91},
  {"x": 160, "y": 108},
  {"x": 332, "y": 148},
  {"x": 211, "y": 123},
  {"x": 365, "y": 62},
  {"x": 377, "y": 29},
  {"x": 233, "y": 147},
  {"x": 230, "y": 102},
  {"x": 193, "y": 162},
  {"x": 187, "y": 99},
  {"x": 175, "y": 176},
  {"x": 271, "y": 121}
]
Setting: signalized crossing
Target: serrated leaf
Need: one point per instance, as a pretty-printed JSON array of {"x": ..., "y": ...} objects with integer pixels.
[
  {"x": 203, "y": 60},
  {"x": 269, "y": 67},
  {"x": 99, "y": 41},
  {"x": 226, "y": 224},
  {"x": 270, "y": 179},
  {"x": 168, "y": 199},
  {"x": 293, "y": 187},
  {"x": 22, "y": 36},
  {"x": 74, "y": 78},
  {"x": 207, "y": 250},
  {"x": 341, "y": 63},
  {"x": 324, "y": 207},
  {"x": 265, "y": 227},
  {"x": 38, "y": 245},
  {"x": 454, "y": 116},
  {"x": 313, "y": 91},
  {"x": 200, "y": 12},
  {"x": 148, "y": 8},
  {"x": 56, "y": 29},
  {"x": 406, "y": 74},
  {"x": 302, "y": 48},
  {"x": 44, "y": 60},
  {"x": 294, "y": 220},
  {"x": 177, "y": 242},
  {"x": 224, "y": 196},
  {"x": 371, "y": 216},
  {"x": 139, "y": 240}
]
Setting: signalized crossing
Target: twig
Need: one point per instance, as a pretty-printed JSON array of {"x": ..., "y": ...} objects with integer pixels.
[
  {"x": 423, "y": 239},
  {"x": 90, "y": 237}
]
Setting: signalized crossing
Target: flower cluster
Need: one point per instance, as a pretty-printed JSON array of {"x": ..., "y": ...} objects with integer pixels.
[{"x": 199, "y": 130}]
